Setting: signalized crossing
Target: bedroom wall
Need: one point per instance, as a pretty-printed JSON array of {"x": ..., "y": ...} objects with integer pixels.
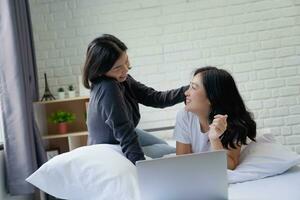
[{"x": 257, "y": 40}]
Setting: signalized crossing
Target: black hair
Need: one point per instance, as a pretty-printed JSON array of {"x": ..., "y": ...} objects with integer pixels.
[
  {"x": 225, "y": 98},
  {"x": 101, "y": 55}
]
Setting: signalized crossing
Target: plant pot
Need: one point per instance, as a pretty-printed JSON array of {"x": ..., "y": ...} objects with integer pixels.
[
  {"x": 71, "y": 93},
  {"x": 62, "y": 128},
  {"x": 61, "y": 95}
]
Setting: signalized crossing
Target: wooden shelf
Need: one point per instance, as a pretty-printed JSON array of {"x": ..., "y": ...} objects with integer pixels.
[
  {"x": 55, "y": 136},
  {"x": 63, "y": 100},
  {"x": 77, "y": 135}
]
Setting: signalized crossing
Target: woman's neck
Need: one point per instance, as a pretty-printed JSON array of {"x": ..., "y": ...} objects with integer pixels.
[{"x": 204, "y": 124}]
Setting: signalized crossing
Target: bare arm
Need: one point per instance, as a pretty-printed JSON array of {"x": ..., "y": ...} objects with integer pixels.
[
  {"x": 182, "y": 148},
  {"x": 233, "y": 155},
  {"x": 217, "y": 128}
]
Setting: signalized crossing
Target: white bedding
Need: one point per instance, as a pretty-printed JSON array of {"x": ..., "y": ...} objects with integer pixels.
[
  {"x": 102, "y": 172},
  {"x": 284, "y": 186}
]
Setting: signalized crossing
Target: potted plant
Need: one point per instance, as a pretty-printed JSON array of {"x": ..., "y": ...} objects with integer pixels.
[
  {"x": 71, "y": 91},
  {"x": 62, "y": 118},
  {"x": 61, "y": 93}
]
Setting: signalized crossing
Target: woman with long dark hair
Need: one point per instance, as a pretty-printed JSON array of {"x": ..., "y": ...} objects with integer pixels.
[
  {"x": 215, "y": 116},
  {"x": 113, "y": 111}
]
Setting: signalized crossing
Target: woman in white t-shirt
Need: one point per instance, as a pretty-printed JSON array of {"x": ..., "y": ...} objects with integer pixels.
[{"x": 215, "y": 116}]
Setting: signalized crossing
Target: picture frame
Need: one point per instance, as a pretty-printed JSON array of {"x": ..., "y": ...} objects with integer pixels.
[{"x": 52, "y": 153}]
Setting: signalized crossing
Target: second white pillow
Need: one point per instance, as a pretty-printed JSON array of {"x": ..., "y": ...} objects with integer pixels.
[{"x": 263, "y": 158}]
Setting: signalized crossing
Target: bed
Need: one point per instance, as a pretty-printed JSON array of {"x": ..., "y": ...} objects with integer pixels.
[
  {"x": 283, "y": 186},
  {"x": 267, "y": 170}
]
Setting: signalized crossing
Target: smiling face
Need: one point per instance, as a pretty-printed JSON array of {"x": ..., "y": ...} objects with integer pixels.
[
  {"x": 120, "y": 69},
  {"x": 196, "y": 99}
]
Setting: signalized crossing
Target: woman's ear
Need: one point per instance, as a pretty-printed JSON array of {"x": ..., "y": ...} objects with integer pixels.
[{"x": 208, "y": 102}]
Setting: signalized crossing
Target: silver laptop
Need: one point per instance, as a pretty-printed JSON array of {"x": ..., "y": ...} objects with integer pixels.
[{"x": 186, "y": 177}]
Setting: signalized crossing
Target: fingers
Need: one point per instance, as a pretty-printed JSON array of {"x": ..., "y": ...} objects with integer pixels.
[
  {"x": 219, "y": 127},
  {"x": 220, "y": 116},
  {"x": 220, "y": 123},
  {"x": 219, "y": 130}
]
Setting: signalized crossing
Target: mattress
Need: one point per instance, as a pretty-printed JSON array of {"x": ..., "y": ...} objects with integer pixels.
[{"x": 283, "y": 186}]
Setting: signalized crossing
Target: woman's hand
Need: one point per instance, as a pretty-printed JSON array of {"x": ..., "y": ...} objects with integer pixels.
[{"x": 217, "y": 127}]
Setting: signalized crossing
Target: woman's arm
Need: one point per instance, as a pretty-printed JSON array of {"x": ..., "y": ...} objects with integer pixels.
[
  {"x": 182, "y": 133},
  {"x": 160, "y": 99},
  {"x": 216, "y": 129},
  {"x": 233, "y": 155},
  {"x": 182, "y": 148},
  {"x": 115, "y": 114}
]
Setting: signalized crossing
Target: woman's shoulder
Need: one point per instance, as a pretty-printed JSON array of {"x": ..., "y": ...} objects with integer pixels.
[
  {"x": 105, "y": 83},
  {"x": 184, "y": 115},
  {"x": 130, "y": 82},
  {"x": 105, "y": 88}
]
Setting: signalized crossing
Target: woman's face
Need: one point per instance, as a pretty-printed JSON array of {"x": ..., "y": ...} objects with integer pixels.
[
  {"x": 120, "y": 69},
  {"x": 196, "y": 99}
]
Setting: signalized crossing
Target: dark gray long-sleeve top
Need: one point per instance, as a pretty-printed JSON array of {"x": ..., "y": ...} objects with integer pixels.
[{"x": 113, "y": 112}]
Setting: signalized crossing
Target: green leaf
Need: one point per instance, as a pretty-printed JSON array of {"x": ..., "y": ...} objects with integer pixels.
[{"x": 61, "y": 116}]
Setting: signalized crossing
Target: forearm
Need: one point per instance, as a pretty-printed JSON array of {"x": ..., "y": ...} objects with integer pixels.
[
  {"x": 160, "y": 99},
  {"x": 133, "y": 152},
  {"x": 114, "y": 113},
  {"x": 182, "y": 148},
  {"x": 129, "y": 143},
  {"x": 216, "y": 145}
]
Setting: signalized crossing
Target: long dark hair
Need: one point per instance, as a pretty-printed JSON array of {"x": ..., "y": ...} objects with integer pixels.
[
  {"x": 101, "y": 55},
  {"x": 225, "y": 98}
]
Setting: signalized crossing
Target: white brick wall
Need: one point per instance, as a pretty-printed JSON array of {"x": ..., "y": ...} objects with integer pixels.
[{"x": 257, "y": 40}]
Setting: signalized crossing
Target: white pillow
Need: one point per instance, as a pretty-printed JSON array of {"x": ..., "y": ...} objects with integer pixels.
[
  {"x": 261, "y": 159},
  {"x": 90, "y": 173}
]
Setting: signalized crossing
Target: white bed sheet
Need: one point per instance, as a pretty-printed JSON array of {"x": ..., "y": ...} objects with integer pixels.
[{"x": 283, "y": 186}]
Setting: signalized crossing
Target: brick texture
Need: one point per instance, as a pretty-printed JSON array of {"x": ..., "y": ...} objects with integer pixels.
[{"x": 257, "y": 41}]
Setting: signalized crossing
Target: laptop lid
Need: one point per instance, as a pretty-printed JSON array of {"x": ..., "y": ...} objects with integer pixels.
[{"x": 185, "y": 177}]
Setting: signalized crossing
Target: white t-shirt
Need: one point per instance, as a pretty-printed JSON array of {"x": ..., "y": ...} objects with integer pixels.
[{"x": 187, "y": 130}]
